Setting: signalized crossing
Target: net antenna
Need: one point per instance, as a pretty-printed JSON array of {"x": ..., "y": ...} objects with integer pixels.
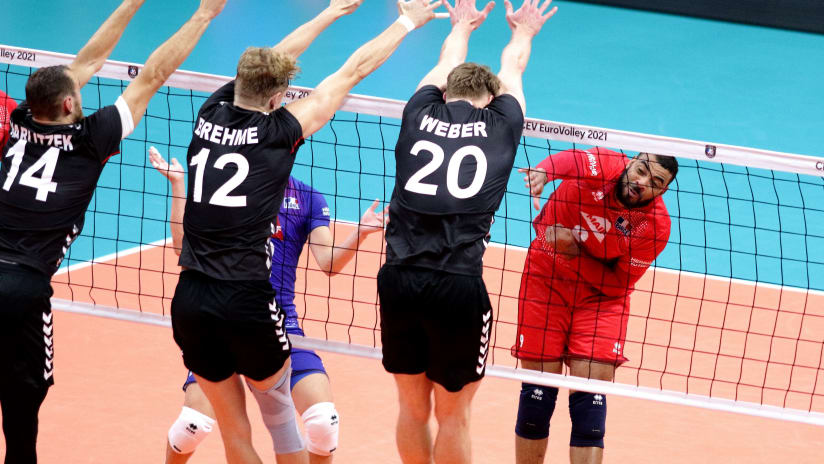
[{"x": 730, "y": 317}]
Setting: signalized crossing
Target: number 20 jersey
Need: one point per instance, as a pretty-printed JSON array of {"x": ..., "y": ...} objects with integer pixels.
[
  {"x": 239, "y": 164},
  {"x": 48, "y": 177},
  {"x": 453, "y": 162}
]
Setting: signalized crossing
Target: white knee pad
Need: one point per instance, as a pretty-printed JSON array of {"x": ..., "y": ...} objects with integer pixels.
[
  {"x": 190, "y": 428},
  {"x": 321, "y": 424},
  {"x": 278, "y": 413}
]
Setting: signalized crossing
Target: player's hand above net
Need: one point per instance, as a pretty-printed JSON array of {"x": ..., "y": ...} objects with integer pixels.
[
  {"x": 173, "y": 172},
  {"x": 419, "y": 11},
  {"x": 344, "y": 7},
  {"x": 371, "y": 221},
  {"x": 466, "y": 11},
  {"x": 212, "y": 8},
  {"x": 530, "y": 17},
  {"x": 534, "y": 181}
]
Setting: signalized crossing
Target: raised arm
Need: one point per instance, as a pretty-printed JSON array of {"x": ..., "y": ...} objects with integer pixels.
[
  {"x": 332, "y": 258},
  {"x": 525, "y": 24},
  {"x": 465, "y": 18},
  {"x": 318, "y": 108},
  {"x": 299, "y": 40},
  {"x": 168, "y": 57},
  {"x": 91, "y": 57},
  {"x": 175, "y": 174}
]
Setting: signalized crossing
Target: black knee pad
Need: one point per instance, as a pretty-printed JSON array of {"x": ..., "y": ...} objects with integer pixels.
[
  {"x": 588, "y": 412},
  {"x": 534, "y": 411}
]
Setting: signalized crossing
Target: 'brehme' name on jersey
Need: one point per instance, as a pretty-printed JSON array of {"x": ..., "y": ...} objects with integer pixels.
[
  {"x": 453, "y": 131},
  {"x": 218, "y": 134},
  {"x": 62, "y": 141}
]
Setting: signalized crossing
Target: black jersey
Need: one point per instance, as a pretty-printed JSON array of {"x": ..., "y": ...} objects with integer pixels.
[
  {"x": 239, "y": 165},
  {"x": 47, "y": 179},
  {"x": 453, "y": 162}
]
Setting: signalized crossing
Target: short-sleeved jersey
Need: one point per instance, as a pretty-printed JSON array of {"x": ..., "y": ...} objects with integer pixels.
[
  {"x": 48, "y": 177},
  {"x": 239, "y": 164},
  {"x": 7, "y": 105},
  {"x": 302, "y": 210},
  {"x": 453, "y": 162},
  {"x": 627, "y": 240}
]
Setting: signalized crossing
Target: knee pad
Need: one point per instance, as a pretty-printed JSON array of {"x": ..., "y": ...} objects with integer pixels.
[
  {"x": 534, "y": 411},
  {"x": 321, "y": 424},
  {"x": 588, "y": 412},
  {"x": 278, "y": 413},
  {"x": 190, "y": 428}
]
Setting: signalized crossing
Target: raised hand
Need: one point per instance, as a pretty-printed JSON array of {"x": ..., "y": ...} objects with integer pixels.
[
  {"x": 344, "y": 7},
  {"x": 530, "y": 17},
  {"x": 534, "y": 180},
  {"x": 212, "y": 7},
  {"x": 465, "y": 11},
  {"x": 173, "y": 172},
  {"x": 419, "y": 11},
  {"x": 371, "y": 221}
]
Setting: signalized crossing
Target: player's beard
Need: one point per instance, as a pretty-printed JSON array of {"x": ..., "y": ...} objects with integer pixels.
[{"x": 622, "y": 192}]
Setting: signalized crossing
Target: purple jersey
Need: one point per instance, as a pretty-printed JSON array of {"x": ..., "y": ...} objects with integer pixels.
[{"x": 303, "y": 210}]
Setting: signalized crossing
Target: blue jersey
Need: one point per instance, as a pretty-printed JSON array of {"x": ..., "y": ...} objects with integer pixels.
[{"x": 303, "y": 210}]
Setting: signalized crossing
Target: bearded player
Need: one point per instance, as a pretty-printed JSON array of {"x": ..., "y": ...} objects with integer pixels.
[{"x": 599, "y": 232}]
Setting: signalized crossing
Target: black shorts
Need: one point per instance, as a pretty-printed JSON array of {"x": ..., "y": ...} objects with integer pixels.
[
  {"x": 226, "y": 327},
  {"x": 26, "y": 330},
  {"x": 436, "y": 323}
]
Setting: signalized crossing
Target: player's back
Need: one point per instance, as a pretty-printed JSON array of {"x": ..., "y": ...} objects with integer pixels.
[
  {"x": 48, "y": 177},
  {"x": 239, "y": 162},
  {"x": 453, "y": 163}
]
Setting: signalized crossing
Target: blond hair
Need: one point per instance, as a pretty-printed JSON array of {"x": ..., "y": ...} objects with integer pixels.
[
  {"x": 262, "y": 72},
  {"x": 470, "y": 80}
]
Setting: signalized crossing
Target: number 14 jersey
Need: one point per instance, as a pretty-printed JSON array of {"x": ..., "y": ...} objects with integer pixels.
[{"x": 453, "y": 162}]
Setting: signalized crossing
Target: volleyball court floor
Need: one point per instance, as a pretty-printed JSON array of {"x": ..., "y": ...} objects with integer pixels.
[{"x": 118, "y": 383}]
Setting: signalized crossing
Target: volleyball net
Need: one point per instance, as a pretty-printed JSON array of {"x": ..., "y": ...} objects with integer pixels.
[{"x": 729, "y": 317}]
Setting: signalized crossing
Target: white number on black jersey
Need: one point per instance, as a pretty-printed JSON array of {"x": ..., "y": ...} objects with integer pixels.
[
  {"x": 46, "y": 163},
  {"x": 221, "y": 196},
  {"x": 415, "y": 184}
]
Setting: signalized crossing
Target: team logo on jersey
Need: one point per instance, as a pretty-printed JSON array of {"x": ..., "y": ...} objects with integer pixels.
[
  {"x": 598, "y": 225},
  {"x": 278, "y": 232},
  {"x": 616, "y": 348},
  {"x": 291, "y": 203},
  {"x": 593, "y": 164},
  {"x": 623, "y": 225},
  {"x": 598, "y": 196},
  {"x": 325, "y": 211}
]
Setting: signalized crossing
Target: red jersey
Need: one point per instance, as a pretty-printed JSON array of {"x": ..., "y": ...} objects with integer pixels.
[
  {"x": 7, "y": 105},
  {"x": 617, "y": 244}
]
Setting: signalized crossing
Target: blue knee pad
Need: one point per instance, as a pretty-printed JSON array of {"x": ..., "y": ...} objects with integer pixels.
[
  {"x": 534, "y": 411},
  {"x": 588, "y": 412}
]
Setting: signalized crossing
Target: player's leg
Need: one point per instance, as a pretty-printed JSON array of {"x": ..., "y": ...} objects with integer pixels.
[
  {"x": 543, "y": 323},
  {"x": 261, "y": 347},
  {"x": 26, "y": 352},
  {"x": 596, "y": 349},
  {"x": 406, "y": 355},
  {"x": 535, "y": 408},
  {"x": 312, "y": 395},
  {"x": 228, "y": 399},
  {"x": 452, "y": 409},
  {"x": 203, "y": 313},
  {"x": 412, "y": 433},
  {"x": 588, "y": 412},
  {"x": 192, "y": 426}
]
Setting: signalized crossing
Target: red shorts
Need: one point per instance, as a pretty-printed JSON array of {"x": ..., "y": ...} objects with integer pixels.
[{"x": 552, "y": 327}]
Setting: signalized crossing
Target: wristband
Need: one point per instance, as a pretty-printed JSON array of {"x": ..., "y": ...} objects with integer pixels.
[{"x": 406, "y": 22}]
